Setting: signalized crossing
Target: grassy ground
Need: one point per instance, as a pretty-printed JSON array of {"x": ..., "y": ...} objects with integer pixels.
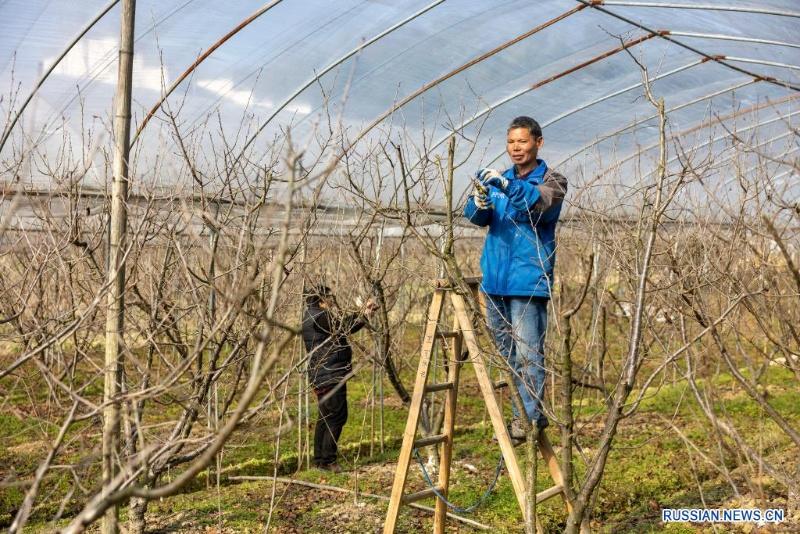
[{"x": 650, "y": 468}]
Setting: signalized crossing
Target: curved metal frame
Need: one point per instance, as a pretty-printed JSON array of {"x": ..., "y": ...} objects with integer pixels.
[
  {"x": 564, "y": 115},
  {"x": 46, "y": 74},
  {"x": 595, "y": 4},
  {"x": 645, "y": 120},
  {"x": 598, "y": 5},
  {"x": 332, "y": 66},
  {"x": 704, "y": 124},
  {"x": 736, "y": 38},
  {"x": 655, "y": 116},
  {"x": 257, "y": 13},
  {"x": 704, "y": 7},
  {"x": 763, "y": 62},
  {"x": 450, "y": 74}
]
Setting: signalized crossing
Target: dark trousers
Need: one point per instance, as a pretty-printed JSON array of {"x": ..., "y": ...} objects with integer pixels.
[{"x": 331, "y": 420}]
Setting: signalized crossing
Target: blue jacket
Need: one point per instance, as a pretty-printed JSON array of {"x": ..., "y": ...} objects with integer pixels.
[{"x": 520, "y": 249}]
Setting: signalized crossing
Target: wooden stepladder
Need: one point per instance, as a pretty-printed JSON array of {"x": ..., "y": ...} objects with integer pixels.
[{"x": 463, "y": 332}]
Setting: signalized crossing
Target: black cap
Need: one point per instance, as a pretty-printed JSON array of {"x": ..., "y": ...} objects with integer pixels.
[{"x": 317, "y": 292}]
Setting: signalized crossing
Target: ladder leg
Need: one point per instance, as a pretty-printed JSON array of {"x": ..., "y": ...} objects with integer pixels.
[
  {"x": 549, "y": 456},
  {"x": 404, "y": 458},
  {"x": 446, "y": 456},
  {"x": 495, "y": 413},
  {"x": 555, "y": 472}
]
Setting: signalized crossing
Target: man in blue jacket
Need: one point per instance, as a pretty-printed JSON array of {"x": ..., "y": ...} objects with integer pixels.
[{"x": 521, "y": 207}]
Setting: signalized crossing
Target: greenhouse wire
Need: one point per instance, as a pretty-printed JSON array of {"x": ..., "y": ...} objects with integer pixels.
[
  {"x": 703, "y": 124},
  {"x": 254, "y": 16},
  {"x": 429, "y": 85},
  {"x": 535, "y": 86},
  {"x": 10, "y": 126},
  {"x": 599, "y": 7},
  {"x": 639, "y": 122},
  {"x": 703, "y": 7},
  {"x": 736, "y": 38},
  {"x": 763, "y": 62},
  {"x": 694, "y": 128},
  {"x": 332, "y": 66}
]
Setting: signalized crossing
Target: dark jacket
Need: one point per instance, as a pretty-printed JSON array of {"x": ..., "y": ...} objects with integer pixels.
[
  {"x": 325, "y": 339},
  {"x": 520, "y": 249}
]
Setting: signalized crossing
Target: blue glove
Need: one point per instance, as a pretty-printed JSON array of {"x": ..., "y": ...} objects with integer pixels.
[{"x": 493, "y": 177}]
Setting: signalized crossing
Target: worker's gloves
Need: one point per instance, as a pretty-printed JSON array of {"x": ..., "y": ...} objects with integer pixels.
[
  {"x": 493, "y": 177},
  {"x": 481, "y": 196}
]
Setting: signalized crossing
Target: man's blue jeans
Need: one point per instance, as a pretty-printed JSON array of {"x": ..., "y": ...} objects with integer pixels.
[{"x": 518, "y": 325}]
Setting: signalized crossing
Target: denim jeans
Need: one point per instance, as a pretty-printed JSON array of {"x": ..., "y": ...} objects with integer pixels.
[{"x": 518, "y": 325}]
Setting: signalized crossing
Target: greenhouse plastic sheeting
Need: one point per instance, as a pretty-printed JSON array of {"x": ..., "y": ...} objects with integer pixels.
[{"x": 412, "y": 70}]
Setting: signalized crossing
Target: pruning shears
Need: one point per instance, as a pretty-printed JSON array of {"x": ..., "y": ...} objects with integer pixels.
[{"x": 482, "y": 189}]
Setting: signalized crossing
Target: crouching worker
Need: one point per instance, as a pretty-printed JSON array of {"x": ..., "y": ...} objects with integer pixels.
[
  {"x": 521, "y": 206},
  {"x": 325, "y": 333}
]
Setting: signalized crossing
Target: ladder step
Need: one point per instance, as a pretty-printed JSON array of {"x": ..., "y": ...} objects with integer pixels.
[
  {"x": 448, "y": 333},
  {"x": 430, "y": 440},
  {"x": 548, "y": 493},
  {"x": 418, "y": 496},
  {"x": 501, "y": 384},
  {"x": 471, "y": 281},
  {"x": 430, "y": 388}
]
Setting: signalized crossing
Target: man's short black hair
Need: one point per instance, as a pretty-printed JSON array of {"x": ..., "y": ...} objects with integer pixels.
[
  {"x": 316, "y": 293},
  {"x": 528, "y": 123}
]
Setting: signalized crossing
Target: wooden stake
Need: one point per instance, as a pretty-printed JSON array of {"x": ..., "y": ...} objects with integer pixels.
[{"x": 115, "y": 314}]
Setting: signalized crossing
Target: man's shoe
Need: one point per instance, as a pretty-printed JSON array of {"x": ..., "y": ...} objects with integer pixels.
[
  {"x": 333, "y": 468},
  {"x": 517, "y": 430}
]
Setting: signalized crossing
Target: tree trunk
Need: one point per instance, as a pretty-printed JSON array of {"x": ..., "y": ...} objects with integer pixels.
[{"x": 137, "y": 508}]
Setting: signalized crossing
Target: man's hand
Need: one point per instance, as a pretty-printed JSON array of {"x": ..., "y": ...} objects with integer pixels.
[
  {"x": 493, "y": 177},
  {"x": 370, "y": 307},
  {"x": 481, "y": 196}
]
